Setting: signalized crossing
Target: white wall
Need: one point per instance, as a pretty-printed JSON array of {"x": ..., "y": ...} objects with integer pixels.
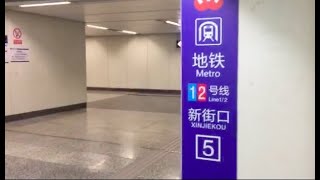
[
  {"x": 56, "y": 75},
  {"x": 143, "y": 61},
  {"x": 276, "y": 119}
]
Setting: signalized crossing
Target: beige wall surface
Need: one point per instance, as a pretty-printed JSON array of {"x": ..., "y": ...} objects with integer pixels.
[{"x": 56, "y": 73}]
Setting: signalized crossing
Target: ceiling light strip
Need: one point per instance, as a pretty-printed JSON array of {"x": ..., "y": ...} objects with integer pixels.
[
  {"x": 173, "y": 23},
  {"x": 104, "y": 28},
  {"x": 96, "y": 27},
  {"x": 46, "y": 4},
  {"x": 128, "y": 32}
]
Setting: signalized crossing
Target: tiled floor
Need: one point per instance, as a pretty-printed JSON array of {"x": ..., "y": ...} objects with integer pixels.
[{"x": 119, "y": 136}]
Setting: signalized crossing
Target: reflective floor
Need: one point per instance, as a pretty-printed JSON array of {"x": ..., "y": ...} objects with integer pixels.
[{"x": 119, "y": 136}]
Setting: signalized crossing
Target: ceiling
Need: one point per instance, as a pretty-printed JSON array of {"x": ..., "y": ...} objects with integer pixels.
[{"x": 141, "y": 16}]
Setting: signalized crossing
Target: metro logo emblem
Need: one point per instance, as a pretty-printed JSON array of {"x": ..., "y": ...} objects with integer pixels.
[{"x": 203, "y": 5}]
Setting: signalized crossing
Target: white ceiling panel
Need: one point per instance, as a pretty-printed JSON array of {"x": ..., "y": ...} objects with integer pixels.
[
  {"x": 132, "y": 16},
  {"x": 97, "y": 32},
  {"x": 71, "y": 12},
  {"x": 141, "y": 16},
  {"x": 141, "y": 27},
  {"x": 123, "y": 6}
]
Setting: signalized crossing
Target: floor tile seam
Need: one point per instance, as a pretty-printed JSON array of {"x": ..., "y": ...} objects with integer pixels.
[
  {"x": 156, "y": 133},
  {"x": 126, "y": 110},
  {"x": 147, "y": 126},
  {"x": 137, "y": 165},
  {"x": 137, "y": 130},
  {"x": 176, "y": 146},
  {"x": 38, "y": 134},
  {"x": 148, "y": 161},
  {"x": 59, "y": 164},
  {"x": 139, "y": 169},
  {"x": 80, "y": 151},
  {"x": 81, "y": 139},
  {"x": 134, "y": 169},
  {"x": 50, "y": 162}
]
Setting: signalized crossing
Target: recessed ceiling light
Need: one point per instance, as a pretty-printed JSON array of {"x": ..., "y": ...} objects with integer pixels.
[
  {"x": 172, "y": 23},
  {"x": 129, "y": 32},
  {"x": 96, "y": 27},
  {"x": 45, "y": 4}
]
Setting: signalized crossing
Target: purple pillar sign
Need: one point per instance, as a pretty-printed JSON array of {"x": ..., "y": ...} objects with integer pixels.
[{"x": 209, "y": 89}]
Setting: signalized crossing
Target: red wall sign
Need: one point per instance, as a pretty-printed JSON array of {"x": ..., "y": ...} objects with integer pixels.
[{"x": 17, "y": 35}]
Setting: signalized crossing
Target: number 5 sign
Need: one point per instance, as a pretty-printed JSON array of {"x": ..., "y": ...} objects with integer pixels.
[{"x": 208, "y": 148}]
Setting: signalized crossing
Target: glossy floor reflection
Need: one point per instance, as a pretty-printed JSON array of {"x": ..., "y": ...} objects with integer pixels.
[{"x": 119, "y": 136}]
